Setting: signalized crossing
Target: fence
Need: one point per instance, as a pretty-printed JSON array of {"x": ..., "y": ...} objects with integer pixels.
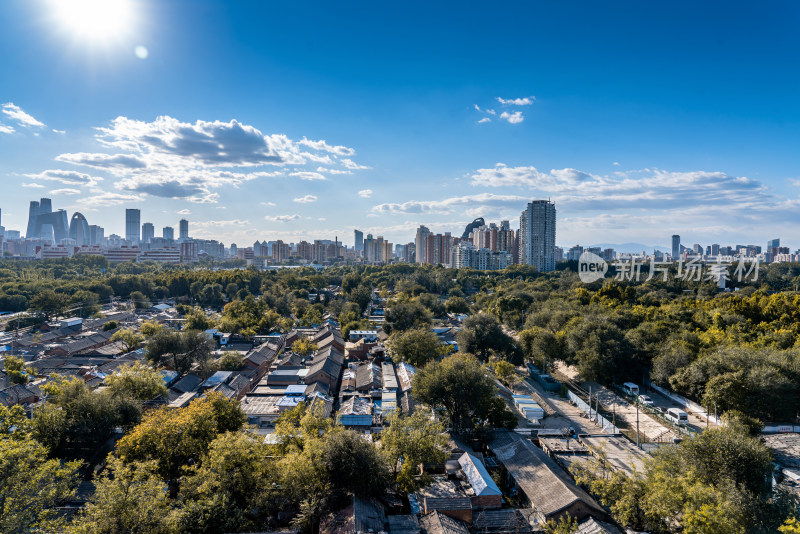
[{"x": 607, "y": 426}]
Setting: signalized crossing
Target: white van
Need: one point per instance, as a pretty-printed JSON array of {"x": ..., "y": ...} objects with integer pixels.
[
  {"x": 679, "y": 417},
  {"x": 630, "y": 388}
]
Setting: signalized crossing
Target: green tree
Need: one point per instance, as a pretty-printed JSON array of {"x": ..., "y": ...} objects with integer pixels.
[
  {"x": 409, "y": 441},
  {"x": 110, "y": 325},
  {"x": 231, "y": 361},
  {"x": 150, "y": 328},
  {"x": 14, "y": 367},
  {"x": 130, "y": 340},
  {"x": 233, "y": 490},
  {"x": 174, "y": 439},
  {"x": 31, "y": 485},
  {"x": 482, "y": 335},
  {"x": 179, "y": 350},
  {"x": 458, "y": 385},
  {"x": 75, "y": 421},
  {"x": 49, "y": 303},
  {"x": 457, "y": 304},
  {"x": 404, "y": 315},
  {"x": 129, "y": 497},
  {"x": 304, "y": 347},
  {"x": 136, "y": 381},
  {"x": 140, "y": 300},
  {"x": 417, "y": 346}
]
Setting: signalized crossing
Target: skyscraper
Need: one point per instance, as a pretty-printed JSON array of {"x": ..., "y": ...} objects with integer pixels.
[
  {"x": 422, "y": 234},
  {"x": 41, "y": 214},
  {"x": 183, "y": 229},
  {"x": 96, "y": 234},
  {"x": 676, "y": 246},
  {"x": 148, "y": 232},
  {"x": 537, "y": 235},
  {"x": 168, "y": 232},
  {"x": 358, "y": 236},
  {"x": 133, "y": 225},
  {"x": 79, "y": 229}
]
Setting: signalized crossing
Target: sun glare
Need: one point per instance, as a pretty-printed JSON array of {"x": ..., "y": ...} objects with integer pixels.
[{"x": 94, "y": 19}]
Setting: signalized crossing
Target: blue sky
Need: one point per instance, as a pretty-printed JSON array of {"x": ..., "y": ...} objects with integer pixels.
[{"x": 301, "y": 120}]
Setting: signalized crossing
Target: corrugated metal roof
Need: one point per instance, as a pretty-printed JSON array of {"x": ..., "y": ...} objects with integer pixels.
[{"x": 478, "y": 476}]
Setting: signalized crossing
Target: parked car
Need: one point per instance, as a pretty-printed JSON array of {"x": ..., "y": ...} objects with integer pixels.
[{"x": 645, "y": 400}]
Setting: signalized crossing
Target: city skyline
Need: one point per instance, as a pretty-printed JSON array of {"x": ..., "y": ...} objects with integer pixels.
[{"x": 634, "y": 137}]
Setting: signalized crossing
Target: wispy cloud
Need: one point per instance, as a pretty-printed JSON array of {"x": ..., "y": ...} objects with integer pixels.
[
  {"x": 65, "y": 191},
  {"x": 24, "y": 119},
  {"x": 100, "y": 199},
  {"x": 282, "y": 218},
  {"x": 307, "y": 199},
  {"x": 449, "y": 205},
  {"x": 66, "y": 177},
  {"x": 365, "y": 193},
  {"x": 525, "y": 101},
  {"x": 33, "y": 185}
]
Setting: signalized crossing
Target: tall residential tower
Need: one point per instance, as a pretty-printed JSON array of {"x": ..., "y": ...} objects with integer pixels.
[{"x": 537, "y": 235}]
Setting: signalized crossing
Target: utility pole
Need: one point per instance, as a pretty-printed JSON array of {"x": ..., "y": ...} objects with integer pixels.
[{"x": 590, "y": 403}]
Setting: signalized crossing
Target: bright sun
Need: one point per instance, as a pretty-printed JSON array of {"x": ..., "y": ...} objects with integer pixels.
[{"x": 94, "y": 19}]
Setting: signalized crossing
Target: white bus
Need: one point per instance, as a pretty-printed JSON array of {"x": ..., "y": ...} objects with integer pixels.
[
  {"x": 679, "y": 417},
  {"x": 630, "y": 388}
]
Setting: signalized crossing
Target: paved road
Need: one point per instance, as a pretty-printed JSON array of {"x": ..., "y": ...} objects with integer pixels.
[{"x": 697, "y": 422}]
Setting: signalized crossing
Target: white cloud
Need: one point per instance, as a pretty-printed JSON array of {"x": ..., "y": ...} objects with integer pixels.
[
  {"x": 485, "y": 119},
  {"x": 525, "y": 101},
  {"x": 307, "y": 175},
  {"x": 282, "y": 218},
  {"x": 184, "y": 211},
  {"x": 333, "y": 171},
  {"x": 307, "y": 199},
  {"x": 270, "y": 204},
  {"x": 219, "y": 224},
  {"x": 66, "y": 177},
  {"x": 325, "y": 147},
  {"x": 24, "y": 119},
  {"x": 32, "y": 185},
  {"x": 100, "y": 199},
  {"x": 352, "y": 165},
  {"x": 59, "y": 131},
  {"x": 6, "y": 129},
  {"x": 65, "y": 191},
  {"x": 638, "y": 189},
  {"x": 513, "y": 118},
  {"x": 365, "y": 193},
  {"x": 169, "y": 158},
  {"x": 449, "y": 205}
]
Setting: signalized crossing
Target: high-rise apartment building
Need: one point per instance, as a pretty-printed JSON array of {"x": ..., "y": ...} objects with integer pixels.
[
  {"x": 183, "y": 229},
  {"x": 422, "y": 234},
  {"x": 133, "y": 225},
  {"x": 537, "y": 235},
  {"x": 358, "y": 236},
  {"x": 148, "y": 232},
  {"x": 676, "y": 246},
  {"x": 96, "y": 234},
  {"x": 168, "y": 232}
]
